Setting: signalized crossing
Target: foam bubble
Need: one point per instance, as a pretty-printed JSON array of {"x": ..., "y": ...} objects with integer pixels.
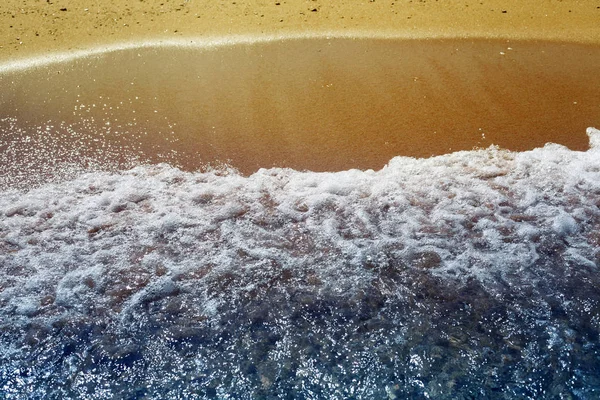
[
  {"x": 594, "y": 135},
  {"x": 282, "y": 281}
]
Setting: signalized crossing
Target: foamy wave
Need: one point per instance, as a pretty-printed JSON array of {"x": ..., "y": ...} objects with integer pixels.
[{"x": 425, "y": 278}]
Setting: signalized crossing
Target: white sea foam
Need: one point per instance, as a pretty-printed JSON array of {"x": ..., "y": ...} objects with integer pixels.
[
  {"x": 461, "y": 206},
  {"x": 109, "y": 244}
]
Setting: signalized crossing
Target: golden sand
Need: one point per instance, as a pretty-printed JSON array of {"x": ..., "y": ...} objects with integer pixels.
[
  {"x": 41, "y": 26},
  {"x": 413, "y": 78}
]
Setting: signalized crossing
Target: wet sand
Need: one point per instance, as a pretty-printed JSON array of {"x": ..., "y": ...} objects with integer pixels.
[
  {"x": 316, "y": 104},
  {"x": 401, "y": 78}
]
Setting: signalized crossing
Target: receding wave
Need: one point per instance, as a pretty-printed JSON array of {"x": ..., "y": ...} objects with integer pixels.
[{"x": 467, "y": 275}]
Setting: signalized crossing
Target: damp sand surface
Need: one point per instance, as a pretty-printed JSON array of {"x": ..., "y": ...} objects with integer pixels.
[{"x": 320, "y": 104}]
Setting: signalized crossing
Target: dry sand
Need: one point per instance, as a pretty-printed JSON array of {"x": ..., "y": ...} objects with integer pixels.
[
  {"x": 516, "y": 76},
  {"x": 40, "y": 26}
]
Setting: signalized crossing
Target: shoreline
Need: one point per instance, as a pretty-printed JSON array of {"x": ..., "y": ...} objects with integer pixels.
[
  {"x": 211, "y": 42},
  {"x": 426, "y": 99},
  {"x": 316, "y": 104}
]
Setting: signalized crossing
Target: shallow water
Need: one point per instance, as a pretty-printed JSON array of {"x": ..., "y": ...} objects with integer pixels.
[
  {"x": 468, "y": 275},
  {"x": 320, "y": 104}
]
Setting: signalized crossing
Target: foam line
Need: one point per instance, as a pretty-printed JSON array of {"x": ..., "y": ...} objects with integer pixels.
[{"x": 231, "y": 40}]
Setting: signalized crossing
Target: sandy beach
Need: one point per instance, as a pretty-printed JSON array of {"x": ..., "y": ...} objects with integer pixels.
[
  {"x": 40, "y": 26},
  {"x": 412, "y": 209},
  {"x": 424, "y": 79}
]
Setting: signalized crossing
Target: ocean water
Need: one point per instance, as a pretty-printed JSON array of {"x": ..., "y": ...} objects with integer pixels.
[{"x": 468, "y": 275}]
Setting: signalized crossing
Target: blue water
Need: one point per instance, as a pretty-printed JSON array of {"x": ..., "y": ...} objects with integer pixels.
[{"x": 469, "y": 275}]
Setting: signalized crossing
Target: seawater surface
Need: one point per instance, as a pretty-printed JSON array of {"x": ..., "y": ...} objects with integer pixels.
[
  {"x": 468, "y": 275},
  {"x": 321, "y": 104}
]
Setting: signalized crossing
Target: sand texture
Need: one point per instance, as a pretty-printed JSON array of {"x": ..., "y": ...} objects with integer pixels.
[
  {"x": 39, "y": 26},
  {"x": 349, "y": 85},
  {"x": 317, "y": 104}
]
